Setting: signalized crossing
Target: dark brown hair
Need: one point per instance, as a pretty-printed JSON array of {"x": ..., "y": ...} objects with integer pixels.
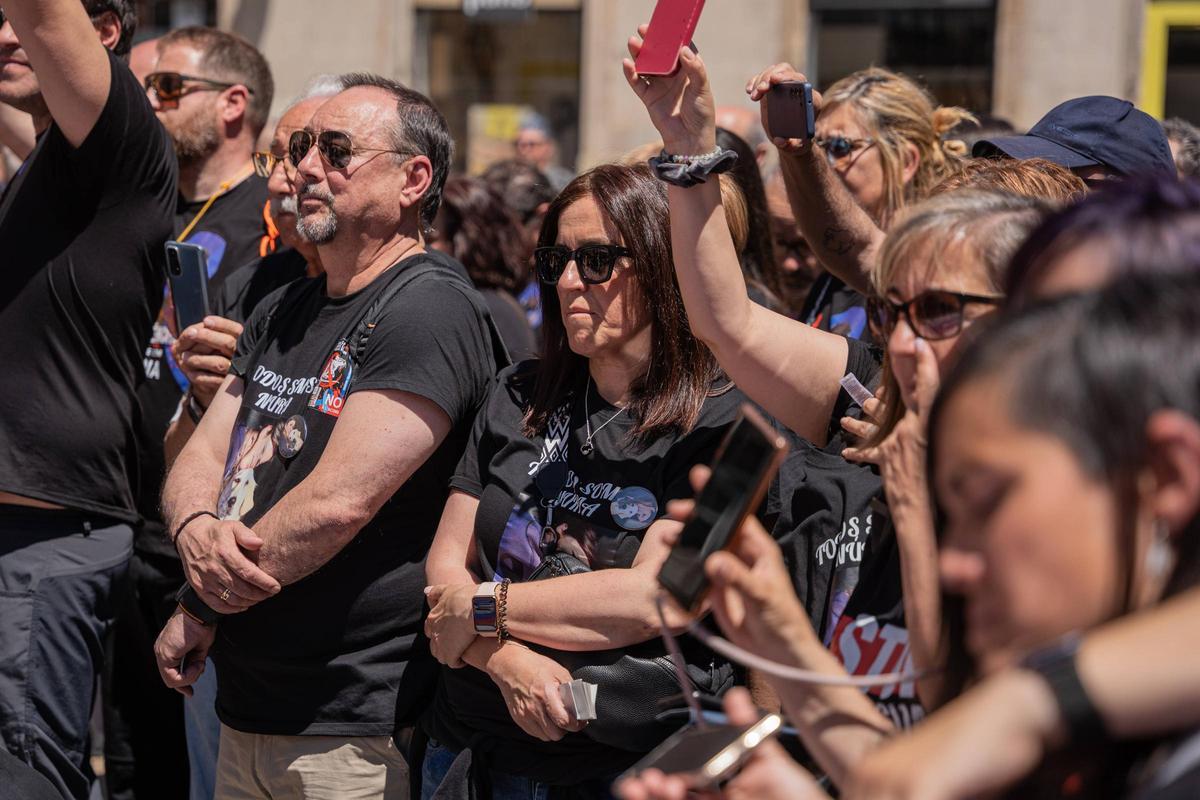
[
  {"x": 229, "y": 57},
  {"x": 483, "y": 234},
  {"x": 681, "y": 370}
]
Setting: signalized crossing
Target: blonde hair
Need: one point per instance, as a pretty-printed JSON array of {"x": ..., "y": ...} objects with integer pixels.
[
  {"x": 955, "y": 232},
  {"x": 895, "y": 112},
  {"x": 1028, "y": 177}
]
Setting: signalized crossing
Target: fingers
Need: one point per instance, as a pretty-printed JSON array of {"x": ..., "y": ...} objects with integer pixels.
[
  {"x": 928, "y": 377},
  {"x": 680, "y": 510},
  {"x": 222, "y": 325},
  {"x": 252, "y": 575},
  {"x": 875, "y": 408},
  {"x": 725, "y": 570},
  {"x": 740, "y": 708},
  {"x": 862, "y": 430},
  {"x": 699, "y": 477},
  {"x": 193, "y": 362},
  {"x": 777, "y": 73},
  {"x": 556, "y": 710},
  {"x": 753, "y": 543},
  {"x": 203, "y": 339},
  {"x": 434, "y": 593},
  {"x": 862, "y": 455},
  {"x": 246, "y": 538},
  {"x": 653, "y": 785},
  {"x": 692, "y": 66}
]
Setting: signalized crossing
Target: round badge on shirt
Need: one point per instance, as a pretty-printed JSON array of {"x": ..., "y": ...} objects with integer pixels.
[
  {"x": 634, "y": 508},
  {"x": 289, "y": 436}
]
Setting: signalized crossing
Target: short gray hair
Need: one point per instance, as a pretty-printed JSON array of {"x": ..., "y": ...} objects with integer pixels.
[
  {"x": 1187, "y": 156},
  {"x": 322, "y": 85}
]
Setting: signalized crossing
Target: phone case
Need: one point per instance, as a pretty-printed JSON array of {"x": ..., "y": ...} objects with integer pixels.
[
  {"x": 671, "y": 27},
  {"x": 790, "y": 112},
  {"x": 187, "y": 274}
]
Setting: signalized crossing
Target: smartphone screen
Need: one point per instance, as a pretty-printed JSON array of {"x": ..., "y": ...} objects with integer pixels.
[
  {"x": 707, "y": 755},
  {"x": 671, "y": 27},
  {"x": 745, "y": 463},
  {"x": 187, "y": 273}
]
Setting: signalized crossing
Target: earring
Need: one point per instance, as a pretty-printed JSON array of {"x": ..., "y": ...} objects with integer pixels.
[{"x": 1160, "y": 557}]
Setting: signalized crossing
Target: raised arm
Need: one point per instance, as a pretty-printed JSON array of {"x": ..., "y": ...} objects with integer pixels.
[
  {"x": 789, "y": 368},
  {"x": 66, "y": 50},
  {"x": 841, "y": 234}
]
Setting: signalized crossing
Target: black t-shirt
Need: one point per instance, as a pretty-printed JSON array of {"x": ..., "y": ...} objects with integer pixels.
[
  {"x": 327, "y": 655},
  {"x": 82, "y": 232},
  {"x": 835, "y": 307},
  {"x": 247, "y": 285},
  {"x": 511, "y": 322},
  {"x": 231, "y": 231},
  {"x": 603, "y": 506}
]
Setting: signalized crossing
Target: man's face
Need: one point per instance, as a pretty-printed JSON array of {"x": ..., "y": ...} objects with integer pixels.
[
  {"x": 361, "y": 195},
  {"x": 534, "y": 147},
  {"x": 18, "y": 84},
  {"x": 191, "y": 120},
  {"x": 282, "y": 183}
]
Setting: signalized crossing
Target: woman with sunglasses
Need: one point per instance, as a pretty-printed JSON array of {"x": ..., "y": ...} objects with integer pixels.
[
  {"x": 942, "y": 270},
  {"x": 553, "y": 535}
]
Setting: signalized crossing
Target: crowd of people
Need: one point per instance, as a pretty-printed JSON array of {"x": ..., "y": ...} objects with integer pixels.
[{"x": 418, "y": 469}]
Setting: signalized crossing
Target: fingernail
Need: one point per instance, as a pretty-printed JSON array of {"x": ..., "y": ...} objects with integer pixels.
[
  {"x": 428, "y": 589},
  {"x": 921, "y": 344}
]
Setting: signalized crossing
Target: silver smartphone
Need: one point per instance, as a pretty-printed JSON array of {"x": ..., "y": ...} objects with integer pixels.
[{"x": 706, "y": 756}]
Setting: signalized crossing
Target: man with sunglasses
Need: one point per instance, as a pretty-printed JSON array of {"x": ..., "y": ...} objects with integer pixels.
[
  {"x": 376, "y": 369},
  {"x": 82, "y": 228}
]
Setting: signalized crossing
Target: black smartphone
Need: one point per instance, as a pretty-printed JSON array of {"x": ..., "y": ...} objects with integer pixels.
[
  {"x": 704, "y": 757},
  {"x": 743, "y": 467},
  {"x": 187, "y": 273},
  {"x": 790, "y": 113}
]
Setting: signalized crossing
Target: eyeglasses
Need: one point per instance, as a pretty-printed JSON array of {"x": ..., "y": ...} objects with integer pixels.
[
  {"x": 932, "y": 315},
  {"x": 169, "y": 86},
  {"x": 265, "y": 163},
  {"x": 595, "y": 262},
  {"x": 335, "y": 148},
  {"x": 838, "y": 147}
]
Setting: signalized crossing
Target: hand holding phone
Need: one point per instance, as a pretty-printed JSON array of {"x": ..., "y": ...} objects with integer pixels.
[
  {"x": 745, "y": 463},
  {"x": 187, "y": 274},
  {"x": 789, "y": 111}
]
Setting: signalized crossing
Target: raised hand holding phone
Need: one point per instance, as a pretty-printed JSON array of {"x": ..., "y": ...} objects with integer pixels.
[
  {"x": 760, "y": 89},
  {"x": 680, "y": 105}
]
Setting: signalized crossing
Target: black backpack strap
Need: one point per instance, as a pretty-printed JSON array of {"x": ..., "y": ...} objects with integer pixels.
[{"x": 408, "y": 276}]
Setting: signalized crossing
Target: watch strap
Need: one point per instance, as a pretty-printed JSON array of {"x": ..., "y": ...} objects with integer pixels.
[
  {"x": 194, "y": 607},
  {"x": 1057, "y": 667}
]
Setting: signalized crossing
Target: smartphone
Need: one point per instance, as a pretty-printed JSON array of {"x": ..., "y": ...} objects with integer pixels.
[
  {"x": 745, "y": 463},
  {"x": 187, "y": 273},
  {"x": 704, "y": 757},
  {"x": 790, "y": 113},
  {"x": 671, "y": 27}
]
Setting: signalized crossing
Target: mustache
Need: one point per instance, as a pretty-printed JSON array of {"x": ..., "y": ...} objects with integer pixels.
[
  {"x": 312, "y": 191},
  {"x": 288, "y": 204}
]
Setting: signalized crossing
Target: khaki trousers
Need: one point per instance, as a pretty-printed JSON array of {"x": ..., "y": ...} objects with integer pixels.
[{"x": 254, "y": 766}]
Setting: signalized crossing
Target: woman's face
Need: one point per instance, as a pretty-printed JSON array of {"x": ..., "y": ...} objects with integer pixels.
[
  {"x": 1030, "y": 540},
  {"x": 604, "y": 319},
  {"x": 961, "y": 273},
  {"x": 862, "y": 169}
]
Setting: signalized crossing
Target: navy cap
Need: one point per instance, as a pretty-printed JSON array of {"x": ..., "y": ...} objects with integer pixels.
[{"x": 1091, "y": 131}]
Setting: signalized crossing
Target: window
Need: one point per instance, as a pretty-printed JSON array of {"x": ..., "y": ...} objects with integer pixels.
[{"x": 1171, "y": 61}]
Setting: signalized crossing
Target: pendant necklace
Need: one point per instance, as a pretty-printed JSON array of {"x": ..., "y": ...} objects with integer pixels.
[{"x": 587, "y": 447}]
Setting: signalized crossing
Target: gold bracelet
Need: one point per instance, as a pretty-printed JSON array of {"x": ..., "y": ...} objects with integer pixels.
[{"x": 502, "y": 611}]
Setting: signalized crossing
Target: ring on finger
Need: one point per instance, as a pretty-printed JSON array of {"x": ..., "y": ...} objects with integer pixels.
[{"x": 224, "y": 595}]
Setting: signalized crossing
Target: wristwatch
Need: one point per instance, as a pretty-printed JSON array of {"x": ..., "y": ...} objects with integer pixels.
[
  {"x": 1055, "y": 664},
  {"x": 483, "y": 609}
]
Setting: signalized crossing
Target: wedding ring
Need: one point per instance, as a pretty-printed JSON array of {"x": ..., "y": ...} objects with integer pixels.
[{"x": 225, "y": 595}]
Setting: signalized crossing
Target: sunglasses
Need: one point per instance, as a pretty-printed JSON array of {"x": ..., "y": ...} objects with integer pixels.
[
  {"x": 335, "y": 147},
  {"x": 265, "y": 163},
  {"x": 169, "y": 86},
  {"x": 838, "y": 147},
  {"x": 595, "y": 262},
  {"x": 932, "y": 315}
]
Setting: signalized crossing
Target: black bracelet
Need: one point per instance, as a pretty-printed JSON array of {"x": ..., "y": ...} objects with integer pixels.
[
  {"x": 687, "y": 171},
  {"x": 189, "y": 519},
  {"x": 1056, "y": 665},
  {"x": 194, "y": 607},
  {"x": 194, "y": 410}
]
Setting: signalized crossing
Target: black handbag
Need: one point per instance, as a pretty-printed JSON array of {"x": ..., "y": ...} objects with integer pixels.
[{"x": 632, "y": 681}]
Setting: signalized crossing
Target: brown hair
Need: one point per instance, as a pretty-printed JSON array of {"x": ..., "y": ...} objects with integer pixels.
[
  {"x": 228, "y": 57},
  {"x": 681, "y": 370},
  {"x": 895, "y": 111},
  {"x": 1028, "y": 177},
  {"x": 484, "y": 235}
]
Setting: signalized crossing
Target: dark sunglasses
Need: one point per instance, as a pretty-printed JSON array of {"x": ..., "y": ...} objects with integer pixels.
[
  {"x": 932, "y": 315},
  {"x": 170, "y": 86},
  {"x": 838, "y": 147},
  {"x": 265, "y": 163},
  {"x": 335, "y": 148},
  {"x": 595, "y": 262}
]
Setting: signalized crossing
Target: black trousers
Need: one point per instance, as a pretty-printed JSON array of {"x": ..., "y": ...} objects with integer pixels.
[
  {"x": 60, "y": 575},
  {"x": 145, "y": 749}
]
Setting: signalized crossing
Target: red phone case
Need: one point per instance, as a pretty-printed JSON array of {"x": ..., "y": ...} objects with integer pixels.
[{"x": 671, "y": 27}]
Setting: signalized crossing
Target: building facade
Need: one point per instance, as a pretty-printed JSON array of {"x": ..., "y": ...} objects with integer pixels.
[{"x": 487, "y": 62}]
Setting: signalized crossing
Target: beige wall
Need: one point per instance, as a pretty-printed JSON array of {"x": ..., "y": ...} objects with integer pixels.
[
  {"x": 736, "y": 39},
  {"x": 1048, "y": 51}
]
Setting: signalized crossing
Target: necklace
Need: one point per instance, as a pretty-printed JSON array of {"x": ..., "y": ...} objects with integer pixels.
[{"x": 587, "y": 447}]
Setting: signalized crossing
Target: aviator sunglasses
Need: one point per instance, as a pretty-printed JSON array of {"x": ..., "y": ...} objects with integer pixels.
[
  {"x": 335, "y": 147},
  {"x": 838, "y": 147},
  {"x": 595, "y": 262},
  {"x": 169, "y": 86},
  {"x": 932, "y": 315}
]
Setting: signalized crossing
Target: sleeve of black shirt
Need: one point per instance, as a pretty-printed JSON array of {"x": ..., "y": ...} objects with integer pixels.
[{"x": 430, "y": 341}]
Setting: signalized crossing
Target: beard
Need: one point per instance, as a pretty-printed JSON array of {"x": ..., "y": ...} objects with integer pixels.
[
  {"x": 319, "y": 227},
  {"x": 195, "y": 137}
]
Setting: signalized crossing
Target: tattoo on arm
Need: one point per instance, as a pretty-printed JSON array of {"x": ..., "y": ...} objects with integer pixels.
[{"x": 837, "y": 241}]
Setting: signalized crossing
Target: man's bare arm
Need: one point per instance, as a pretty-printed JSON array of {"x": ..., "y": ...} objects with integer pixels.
[
  {"x": 194, "y": 481},
  {"x": 381, "y": 439},
  {"x": 69, "y": 58}
]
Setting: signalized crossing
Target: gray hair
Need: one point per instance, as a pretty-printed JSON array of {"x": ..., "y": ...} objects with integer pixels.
[
  {"x": 1187, "y": 155},
  {"x": 322, "y": 85}
]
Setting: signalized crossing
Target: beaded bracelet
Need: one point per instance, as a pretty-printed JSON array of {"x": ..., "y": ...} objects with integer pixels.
[{"x": 502, "y": 611}]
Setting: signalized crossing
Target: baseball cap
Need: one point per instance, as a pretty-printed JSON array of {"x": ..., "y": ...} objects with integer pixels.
[{"x": 1087, "y": 132}]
